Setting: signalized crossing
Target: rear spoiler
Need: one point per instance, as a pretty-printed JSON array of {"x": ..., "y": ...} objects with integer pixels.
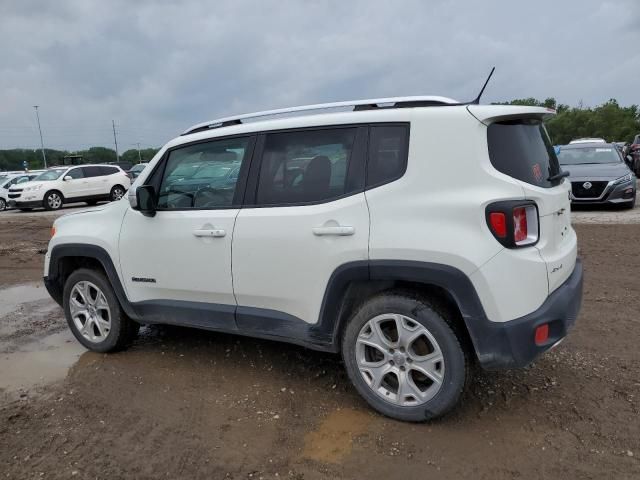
[{"x": 487, "y": 114}]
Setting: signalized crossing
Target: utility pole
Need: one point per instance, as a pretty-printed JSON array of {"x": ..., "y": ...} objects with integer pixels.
[
  {"x": 139, "y": 156},
  {"x": 115, "y": 139},
  {"x": 44, "y": 157}
]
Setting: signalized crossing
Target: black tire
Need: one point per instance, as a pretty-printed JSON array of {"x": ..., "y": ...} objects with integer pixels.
[
  {"x": 117, "y": 192},
  {"x": 3, "y": 205},
  {"x": 122, "y": 331},
  {"x": 424, "y": 312},
  {"x": 53, "y": 200}
]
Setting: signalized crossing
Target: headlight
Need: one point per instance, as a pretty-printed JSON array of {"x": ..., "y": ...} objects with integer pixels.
[{"x": 625, "y": 179}]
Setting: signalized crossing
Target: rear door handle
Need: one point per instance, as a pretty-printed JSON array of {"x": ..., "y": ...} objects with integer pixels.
[
  {"x": 339, "y": 230},
  {"x": 210, "y": 232}
]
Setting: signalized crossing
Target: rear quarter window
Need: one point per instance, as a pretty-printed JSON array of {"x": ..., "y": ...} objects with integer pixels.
[
  {"x": 388, "y": 152},
  {"x": 522, "y": 150}
]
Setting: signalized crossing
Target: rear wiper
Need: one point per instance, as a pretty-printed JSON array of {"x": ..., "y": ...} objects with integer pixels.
[{"x": 558, "y": 176}]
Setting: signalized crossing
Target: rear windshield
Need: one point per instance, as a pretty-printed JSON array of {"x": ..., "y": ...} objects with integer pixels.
[{"x": 522, "y": 150}]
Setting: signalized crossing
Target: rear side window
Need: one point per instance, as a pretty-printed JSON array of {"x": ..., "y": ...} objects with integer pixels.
[
  {"x": 109, "y": 170},
  {"x": 522, "y": 150},
  {"x": 305, "y": 167},
  {"x": 388, "y": 152},
  {"x": 92, "y": 172}
]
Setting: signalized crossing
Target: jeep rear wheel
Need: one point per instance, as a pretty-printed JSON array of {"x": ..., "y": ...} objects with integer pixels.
[
  {"x": 404, "y": 358},
  {"x": 52, "y": 201},
  {"x": 94, "y": 314}
]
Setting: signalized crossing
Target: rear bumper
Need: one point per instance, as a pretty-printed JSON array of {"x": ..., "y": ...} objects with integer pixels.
[{"x": 511, "y": 344}]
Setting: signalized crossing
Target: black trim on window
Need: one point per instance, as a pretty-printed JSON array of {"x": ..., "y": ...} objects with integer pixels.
[
  {"x": 354, "y": 182},
  {"x": 404, "y": 153},
  {"x": 155, "y": 177}
]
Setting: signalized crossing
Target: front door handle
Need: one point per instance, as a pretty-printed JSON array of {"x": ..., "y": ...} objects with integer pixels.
[
  {"x": 209, "y": 232},
  {"x": 340, "y": 230}
]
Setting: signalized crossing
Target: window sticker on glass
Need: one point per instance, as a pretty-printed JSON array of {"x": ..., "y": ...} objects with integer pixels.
[{"x": 603, "y": 149}]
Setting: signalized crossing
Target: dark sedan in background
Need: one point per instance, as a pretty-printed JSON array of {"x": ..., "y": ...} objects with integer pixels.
[{"x": 598, "y": 174}]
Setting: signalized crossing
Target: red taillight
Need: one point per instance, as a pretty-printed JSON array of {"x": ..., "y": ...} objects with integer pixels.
[
  {"x": 498, "y": 223},
  {"x": 519, "y": 224},
  {"x": 542, "y": 334},
  {"x": 514, "y": 223}
]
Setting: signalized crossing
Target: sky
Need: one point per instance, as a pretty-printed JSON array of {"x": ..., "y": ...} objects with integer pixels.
[{"x": 158, "y": 67}]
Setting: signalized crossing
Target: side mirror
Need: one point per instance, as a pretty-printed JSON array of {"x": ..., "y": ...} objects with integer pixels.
[
  {"x": 146, "y": 201},
  {"x": 67, "y": 178}
]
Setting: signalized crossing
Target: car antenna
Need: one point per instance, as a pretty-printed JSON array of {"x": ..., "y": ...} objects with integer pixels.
[{"x": 477, "y": 99}]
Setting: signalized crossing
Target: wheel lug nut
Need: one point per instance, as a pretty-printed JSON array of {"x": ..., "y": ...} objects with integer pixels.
[
  {"x": 402, "y": 368},
  {"x": 391, "y": 350},
  {"x": 402, "y": 349},
  {"x": 409, "y": 360},
  {"x": 391, "y": 362}
]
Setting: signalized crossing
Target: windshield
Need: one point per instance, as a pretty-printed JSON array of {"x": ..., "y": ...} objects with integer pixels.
[
  {"x": 137, "y": 168},
  {"x": 590, "y": 155},
  {"x": 50, "y": 175}
]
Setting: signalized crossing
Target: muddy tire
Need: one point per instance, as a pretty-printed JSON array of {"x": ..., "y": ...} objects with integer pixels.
[
  {"x": 94, "y": 314},
  {"x": 404, "y": 358}
]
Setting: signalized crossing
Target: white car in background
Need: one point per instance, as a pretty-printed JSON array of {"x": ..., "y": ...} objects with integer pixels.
[
  {"x": 7, "y": 181},
  {"x": 587, "y": 140},
  {"x": 60, "y": 185}
]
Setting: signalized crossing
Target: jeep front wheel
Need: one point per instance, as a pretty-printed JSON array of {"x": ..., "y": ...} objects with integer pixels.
[
  {"x": 94, "y": 314},
  {"x": 404, "y": 358}
]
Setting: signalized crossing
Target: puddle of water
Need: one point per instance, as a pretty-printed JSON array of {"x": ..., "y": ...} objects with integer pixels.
[
  {"x": 12, "y": 297},
  {"x": 40, "y": 362},
  {"x": 333, "y": 440}
]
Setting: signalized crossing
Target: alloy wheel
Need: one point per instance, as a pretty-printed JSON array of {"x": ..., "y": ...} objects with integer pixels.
[
  {"x": 90, "y": 311},
  {"x": 400, "y": 360},
  {"x": 117, "y": 194},
  {"x": 54, "y": 201}
]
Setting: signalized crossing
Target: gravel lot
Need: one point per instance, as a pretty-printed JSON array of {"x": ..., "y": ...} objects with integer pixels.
[{"x": 189, "y": 404}]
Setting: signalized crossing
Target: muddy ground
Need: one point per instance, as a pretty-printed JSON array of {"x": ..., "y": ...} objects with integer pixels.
[{"x": 189, "y": 404}]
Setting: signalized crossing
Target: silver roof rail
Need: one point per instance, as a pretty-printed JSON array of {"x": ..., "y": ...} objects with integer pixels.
[{"x": 391, "y": 102}]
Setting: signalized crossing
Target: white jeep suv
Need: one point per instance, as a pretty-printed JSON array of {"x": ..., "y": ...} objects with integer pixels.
[
  {"x": 415, "y": 236},
  {"x": 59, "y": 185}
]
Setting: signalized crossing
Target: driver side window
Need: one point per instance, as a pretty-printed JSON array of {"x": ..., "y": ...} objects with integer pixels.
[{"x": 202, "y": 176}]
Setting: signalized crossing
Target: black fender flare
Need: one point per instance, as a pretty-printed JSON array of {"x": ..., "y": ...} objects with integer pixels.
[
  {"x": 450, "y": 279},
  {"x": 53, "y": 280}
]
